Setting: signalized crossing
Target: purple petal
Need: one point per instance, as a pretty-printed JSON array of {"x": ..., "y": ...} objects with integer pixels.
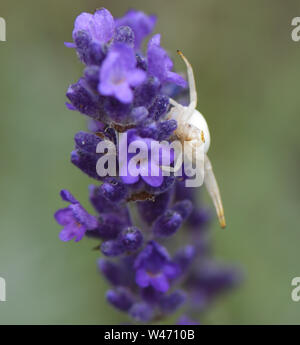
[
  {"x": 160, "y": 64},
  {"x": 143, "y": 256},
  {"x": 127, "y": 54},
  {"x": 80, "y": 233},
  {"x": 106, "y": 72},
  {"x": 176, "y": 79},
  {"x": 71, "y": 231},
  {"x": 155, "y": 41},
  {"x": 65, "y": 235},
  {"x": 70, "y": 106},
  {"x": 171, "y": 270},
  {"x": 160, "y": 283},
  {"x": 130, "y": 179},
  {"x": 100, "y": 26},
  {"x": 82, "y": 23},
  {"x": 142, "y": 278},
  {"x": 118, "y": 72},
  {"x": 136, "y": 77},
  {"x": 70, "y": 44},
  {"x": 103, "y": 26},
  {"x": 83, "y": 217},
  {"x": 67, "y": 196},
  {"x": 124, "y": 93},
  {"x": 160, "y": 250},
  {"x": 64, "y": 216}
]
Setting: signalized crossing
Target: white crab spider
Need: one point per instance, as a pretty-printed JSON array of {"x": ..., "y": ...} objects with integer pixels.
[{"x": 192, "y": 129}]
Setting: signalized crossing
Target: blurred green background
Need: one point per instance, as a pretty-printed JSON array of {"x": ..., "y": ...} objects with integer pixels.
[{"x": 247, "y": 70}]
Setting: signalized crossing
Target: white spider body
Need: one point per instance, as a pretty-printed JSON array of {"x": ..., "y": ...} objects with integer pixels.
[
  {"x": 192, "y": 130},
  {"x": 198, "y": 121}
]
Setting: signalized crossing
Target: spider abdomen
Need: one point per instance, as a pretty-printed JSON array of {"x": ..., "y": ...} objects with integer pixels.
[{"x": 198, "y": 121}]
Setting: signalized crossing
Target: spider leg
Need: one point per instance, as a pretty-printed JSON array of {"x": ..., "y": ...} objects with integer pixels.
[
  {"x": 194, "y": 163},
  {"x": 213, "y": 190},
  {"x": 172, "y": 169},
  {"x": 192, "y": 84},
  {"x": 174, "y": 103},
  {"x": 178, "y": 162}
]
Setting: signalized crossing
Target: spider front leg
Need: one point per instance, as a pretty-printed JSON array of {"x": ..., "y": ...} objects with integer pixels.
[
  {"x": 188, "y": 111},
  {"x": 213, "y": 190},
  {"x": 192, "y": 85},
  {"x": 174, "y": 103},
  {"x": 178, "y": 160}
]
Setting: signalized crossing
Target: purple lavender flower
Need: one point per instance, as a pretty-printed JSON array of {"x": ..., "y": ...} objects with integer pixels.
[
  {"x": 99, "y": 26},
  {"x": 124, "y": 90},
  {"x": 119, "y": 73},
  {"x": 154, "y": 268},
  {"x": 160, "y": 65},
  {"x": 74, "y": 218},
  {"x": 90, "y": 35}
]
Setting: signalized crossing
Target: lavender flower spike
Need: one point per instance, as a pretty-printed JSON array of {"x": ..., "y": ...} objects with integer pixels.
[{"x": 126, "y": 90}]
